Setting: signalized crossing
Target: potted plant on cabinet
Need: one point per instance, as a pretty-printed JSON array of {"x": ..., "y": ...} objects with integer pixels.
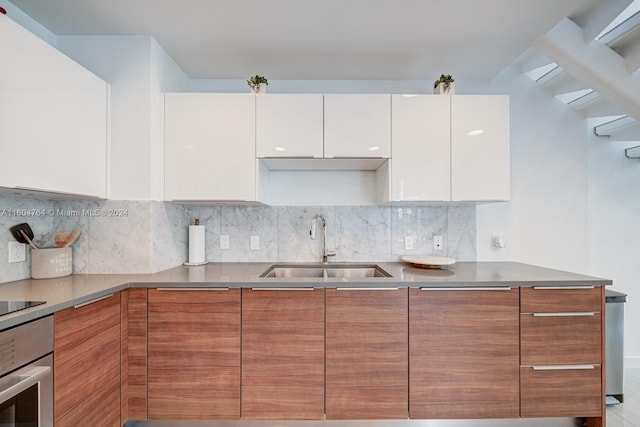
[
  {"x": 258, "y": 84},
  {"x": 444, "y": 85}
]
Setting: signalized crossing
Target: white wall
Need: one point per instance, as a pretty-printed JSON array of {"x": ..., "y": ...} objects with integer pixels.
[
  {"x": 614, "y": 229},
  {"x": 28, "y": 22}
]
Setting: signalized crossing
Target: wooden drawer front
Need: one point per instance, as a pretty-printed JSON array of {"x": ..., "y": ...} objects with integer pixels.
[
  {"x": 545, "y": 300},
  {"x": 194, "y": 354},
  {"x": 563, "y": 339},
  {"x": 87, "y": 365},
  {"x": 367, "y": 354},
  {"x": 282, "y": 354},
  {"x": 561, "y": 393},
  {"x": 463, "y": 354}
]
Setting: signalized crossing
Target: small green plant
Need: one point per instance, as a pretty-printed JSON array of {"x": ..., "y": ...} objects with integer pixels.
[
  {"x": 255, "y": 81},
  {"x": 446, "y": 81}
]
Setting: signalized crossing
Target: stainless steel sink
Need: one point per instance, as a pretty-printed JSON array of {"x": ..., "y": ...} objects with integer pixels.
[{"x": 347, "y": 271}]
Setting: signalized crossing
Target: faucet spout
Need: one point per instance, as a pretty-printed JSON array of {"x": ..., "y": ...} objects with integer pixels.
[{"x": 326, "y": 253}]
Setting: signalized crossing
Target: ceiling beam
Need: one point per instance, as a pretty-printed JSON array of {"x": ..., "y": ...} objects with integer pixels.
[
  {"x": 594, "y": 63},
  {"x": 600, "y": 16}
]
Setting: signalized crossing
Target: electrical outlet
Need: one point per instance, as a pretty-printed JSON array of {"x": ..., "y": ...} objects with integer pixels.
[
  {"x": 17, "y": 252},
  {"x": 224, "y": 241},
  {"x": 255, "y": 243},
  {"x": 437, "y": 243}
]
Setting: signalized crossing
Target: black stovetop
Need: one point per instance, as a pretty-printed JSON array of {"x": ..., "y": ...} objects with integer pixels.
[{"x": 7, "y": 307}]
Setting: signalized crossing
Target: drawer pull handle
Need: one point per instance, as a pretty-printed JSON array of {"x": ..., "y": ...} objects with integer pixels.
[
  {"x": 562, "y": 367},
  {"x": 366, "y": 289},
  {"x": 567, "y": 314},
  {"x": 491, "y": 288},
  {"x": 193, "y": 289},
  {"x": 92, "y": 301},
  {"x": 567, "y": 288},
  {"x": 283, "y": 289}
]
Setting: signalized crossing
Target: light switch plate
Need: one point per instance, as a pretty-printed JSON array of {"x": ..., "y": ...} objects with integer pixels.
[
  {"x": 409, "y": 243},
  {"x": 224, "y": 241},
  {"x": 255, "y": 243}
]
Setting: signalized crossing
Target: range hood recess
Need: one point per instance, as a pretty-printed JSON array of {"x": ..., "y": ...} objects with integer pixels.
[{"x": 312, "y": 164}]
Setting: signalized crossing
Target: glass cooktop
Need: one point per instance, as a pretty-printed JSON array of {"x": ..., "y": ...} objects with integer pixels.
[{"x": 7, "y": 307}]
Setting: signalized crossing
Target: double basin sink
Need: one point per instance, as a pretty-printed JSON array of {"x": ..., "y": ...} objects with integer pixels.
[{"x": 324, "y": 271}]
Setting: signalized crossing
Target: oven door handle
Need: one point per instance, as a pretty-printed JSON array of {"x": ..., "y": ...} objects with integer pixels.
[{"x": 27, "y": 379}]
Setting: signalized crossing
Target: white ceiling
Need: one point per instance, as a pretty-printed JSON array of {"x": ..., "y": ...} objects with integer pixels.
[{"x": 326, "y": 39}]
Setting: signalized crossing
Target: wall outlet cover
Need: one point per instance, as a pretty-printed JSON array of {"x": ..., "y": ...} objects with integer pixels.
[
  {"x": 17, "y": 252},
  {"x": 438, "y": 244}
]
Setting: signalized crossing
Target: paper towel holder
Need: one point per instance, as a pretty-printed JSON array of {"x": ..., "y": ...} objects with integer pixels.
[{"x": 195, "y": 226}]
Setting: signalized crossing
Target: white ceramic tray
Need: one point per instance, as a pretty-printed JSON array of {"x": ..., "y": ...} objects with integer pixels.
[{"x": 428, "y": 261}]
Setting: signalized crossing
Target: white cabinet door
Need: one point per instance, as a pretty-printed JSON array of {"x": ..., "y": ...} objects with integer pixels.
[
  {"x": 479, "y": 147},
  {"x": 289, "y": 125},
  {"x": 210, "y": 146},
  {"x": 357, "y": 125},
  {"x": 420, "y": 156},
  {"x": 53, "y": 118}
]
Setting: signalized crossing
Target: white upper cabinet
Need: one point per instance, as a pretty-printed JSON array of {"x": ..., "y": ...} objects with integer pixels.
[
  {"x": 210, "y": 147},
  {"x": 289, "y": 125},
  {"x": 479, "y": 147},
  {"x": 420, "y": 156},
  {"x": 53, "y": 118},
  {"x": 357, "y": 125}
]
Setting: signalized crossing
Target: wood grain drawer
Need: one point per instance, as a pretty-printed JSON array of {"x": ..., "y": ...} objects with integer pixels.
[
  {"x": 560, "y": 299},
  {"x": 562, "y": 338},
  {"x": 560, "y": 392}
]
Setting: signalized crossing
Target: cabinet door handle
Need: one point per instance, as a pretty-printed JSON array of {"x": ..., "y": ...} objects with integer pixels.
[
  {"x": 565, "y": 314},
  {"x": 562, "y": 367},
  {"x": 82, "y": 304},
  {"x": 490, "y": 288},
  {"x": 563, "y": 287},
  {"x": 283, "y": 289},
  {"x": 193, "y": 289},
  {"x": 367, "y": 289}
]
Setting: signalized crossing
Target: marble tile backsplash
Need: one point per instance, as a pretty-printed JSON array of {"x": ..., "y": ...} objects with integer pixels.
[{"x": 149, "y": 236}]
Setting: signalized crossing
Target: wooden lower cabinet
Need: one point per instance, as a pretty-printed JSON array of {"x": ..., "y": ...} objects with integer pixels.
[
  {"x": 561, "y": 344},
  {"x": 367, "y": 354},
  {"x": 87, "y": 364},
  {"x": 464, "y": 354},
  {"x": 193, "y": 354},
  {"x": 283, "y": 354}
]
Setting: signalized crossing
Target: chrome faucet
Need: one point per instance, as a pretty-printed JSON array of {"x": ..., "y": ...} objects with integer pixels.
[{"x": 326, "y": 253}]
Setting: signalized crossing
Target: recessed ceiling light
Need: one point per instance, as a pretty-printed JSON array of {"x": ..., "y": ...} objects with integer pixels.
[
  {"x": 190, "y": 146},
  {"x": 281, "y": 149},
  {"x": 409, "y": 95},
  {"x": 373, "y": 148},
  {"x": 476, "y": 132}
]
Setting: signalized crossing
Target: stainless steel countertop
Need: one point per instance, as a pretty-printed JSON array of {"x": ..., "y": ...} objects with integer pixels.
[{"x": 67, "y": 291}]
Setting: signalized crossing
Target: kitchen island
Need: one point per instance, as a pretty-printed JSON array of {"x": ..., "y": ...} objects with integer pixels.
[{"x": 506, "y": 342}]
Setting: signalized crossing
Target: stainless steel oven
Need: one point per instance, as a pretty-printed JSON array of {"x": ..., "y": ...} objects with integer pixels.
[{"x": 26, "y": 376}]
